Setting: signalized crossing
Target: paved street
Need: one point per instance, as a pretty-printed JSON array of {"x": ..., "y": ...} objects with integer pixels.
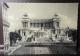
[{"x": 43, "y": 49}]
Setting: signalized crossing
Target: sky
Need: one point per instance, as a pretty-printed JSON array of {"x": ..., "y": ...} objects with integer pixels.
[{"x": 68, "y": 13}]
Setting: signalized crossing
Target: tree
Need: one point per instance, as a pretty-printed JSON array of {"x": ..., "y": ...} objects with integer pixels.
[
  {"x": 74, "y": 35},
  {"x": 14, "y": 37}
]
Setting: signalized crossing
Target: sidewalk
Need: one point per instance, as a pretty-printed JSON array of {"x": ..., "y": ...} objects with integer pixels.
[{"x": 13, "y": 48}]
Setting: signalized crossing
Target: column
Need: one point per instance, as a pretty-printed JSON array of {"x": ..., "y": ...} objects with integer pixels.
[
  {"x": 53, "y": 24},
  {"x": 29, "y": 24},
  {"x": 48, "y": 25},
  {"x": 37, "y": 25},
  {"x": 34, "y": 24},
  {"x": 43, "y": 24},
  {"x": 40, "y": 24},
  {"x": 21, "y": 32},
  {"x": 26, "y": 24}
]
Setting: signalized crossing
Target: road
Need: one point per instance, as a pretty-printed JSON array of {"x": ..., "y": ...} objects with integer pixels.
[{"x": 46, "y": 49}]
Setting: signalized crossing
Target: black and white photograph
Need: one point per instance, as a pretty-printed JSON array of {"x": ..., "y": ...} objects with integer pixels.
[{"x": 39, "y": 28}]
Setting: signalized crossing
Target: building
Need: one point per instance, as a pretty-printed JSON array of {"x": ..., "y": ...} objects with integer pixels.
[
  {"x": 5, "y": 27},
  {"x": 36, "y": 25}
]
